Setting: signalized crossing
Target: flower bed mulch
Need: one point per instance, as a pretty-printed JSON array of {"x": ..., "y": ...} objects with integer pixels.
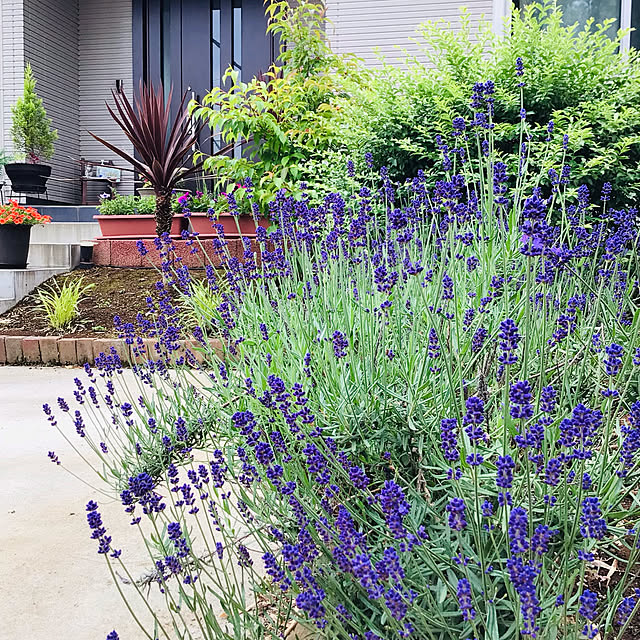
[{"x": 117, "y": 291}]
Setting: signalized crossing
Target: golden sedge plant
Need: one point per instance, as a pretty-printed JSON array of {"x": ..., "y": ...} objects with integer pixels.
[
  {"x": 59, "y": 304},
  {"x": 201, "y": 305}
]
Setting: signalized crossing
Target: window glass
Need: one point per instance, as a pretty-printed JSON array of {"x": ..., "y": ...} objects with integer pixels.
[
  {"x": 237, "y": 35},
  {"x": 236, "y": 53},
  {"x": 635, "y": 23},
  {"x": 165, "y": 44},
  {"x": 215, "y": 43},
  {"x": 581, "y": 10},
  {"x": 216, "y": 71}
]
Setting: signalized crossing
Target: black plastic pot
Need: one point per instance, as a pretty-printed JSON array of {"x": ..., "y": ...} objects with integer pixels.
[
  {"x": 14, "y": 245},
  {"x": 86, "y": 255},
  {"x": 28, "y": 178}
]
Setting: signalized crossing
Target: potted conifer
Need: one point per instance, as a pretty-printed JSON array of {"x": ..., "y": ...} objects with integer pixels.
[{"x": 33, "y": 140}]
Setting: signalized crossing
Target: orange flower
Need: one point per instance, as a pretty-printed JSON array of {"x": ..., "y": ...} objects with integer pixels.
[{"x": 13, "y": 213}]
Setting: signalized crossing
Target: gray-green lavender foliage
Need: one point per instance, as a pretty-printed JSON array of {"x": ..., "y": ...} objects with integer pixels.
[{"x": 424, "y": 421}]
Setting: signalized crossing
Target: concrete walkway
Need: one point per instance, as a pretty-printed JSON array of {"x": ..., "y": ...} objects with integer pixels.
[{"x": 53, "y": 583}]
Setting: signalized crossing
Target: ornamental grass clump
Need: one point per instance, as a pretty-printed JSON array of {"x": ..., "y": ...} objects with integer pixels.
[
  {"x": 59, "y": 303},
  {"x": 425, "y": 422}
]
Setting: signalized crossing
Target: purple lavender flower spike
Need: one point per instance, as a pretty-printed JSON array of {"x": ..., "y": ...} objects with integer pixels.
[
  {"x": 592, "y": 524},
  {"x": 340, "y": 344},
  {"x": 508, "y": 338},
  {"x": 456, "y": 509},
  {"x": 588, "y": 609},
  {"x": 474, "y": 419},
  {"x": 465, "y": 601},
  {"x": 518, "y": 530}
]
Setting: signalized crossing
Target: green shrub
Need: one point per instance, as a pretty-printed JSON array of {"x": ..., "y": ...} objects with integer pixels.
[
  {"x": 119, "y": 205},
  {"x": 271, "y": 121},
  {"x": 574, "y": 77},
  {"x": 281, "y": 119}
]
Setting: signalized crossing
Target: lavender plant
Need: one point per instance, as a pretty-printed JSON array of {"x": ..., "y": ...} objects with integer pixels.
[{"x": 426, "y": 427}]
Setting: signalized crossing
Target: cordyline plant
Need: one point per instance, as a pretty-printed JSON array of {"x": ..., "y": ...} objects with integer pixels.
[
  {"x": 424, "y": 423},
  {"x": 162, "y": 144}
]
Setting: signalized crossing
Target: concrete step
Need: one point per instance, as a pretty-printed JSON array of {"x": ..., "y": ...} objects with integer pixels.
[
  {"x": 53, "y": 255},
  {"x": 15, "y": 284},
  {"x": 65, "y": 232}
]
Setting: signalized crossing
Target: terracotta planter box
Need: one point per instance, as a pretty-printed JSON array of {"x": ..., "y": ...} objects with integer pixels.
[
  {"x": 203, "y": 225},
  {"x": 135, "y": 227}
]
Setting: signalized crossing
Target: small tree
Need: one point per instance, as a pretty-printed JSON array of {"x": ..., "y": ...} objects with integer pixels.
[{"x": 31, "y": 131}]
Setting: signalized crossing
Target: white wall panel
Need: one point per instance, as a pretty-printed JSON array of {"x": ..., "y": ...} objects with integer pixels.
[{"x": 360, "y": 26}]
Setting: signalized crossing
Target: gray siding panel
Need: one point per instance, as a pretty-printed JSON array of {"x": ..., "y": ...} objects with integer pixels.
[
  {"x": 51, "y": 46},
  {"x": 11, "y": 63},
  {"x": 360, "y": 26},
  {"x": 78, "y": 49},
  {"x": 106, "y": 55}
]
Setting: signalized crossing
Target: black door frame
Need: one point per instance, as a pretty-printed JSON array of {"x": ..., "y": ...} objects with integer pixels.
[{"x": 187, "y": 24}]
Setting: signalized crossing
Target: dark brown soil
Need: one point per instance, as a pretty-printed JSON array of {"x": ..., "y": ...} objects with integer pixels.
[{"x": 117, "y": 291}]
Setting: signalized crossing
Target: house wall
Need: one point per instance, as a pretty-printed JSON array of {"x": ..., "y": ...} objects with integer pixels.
[
  {"x": 51, "y": 46},
  {"x": 106, "y": 32},
  {"x": 360, "y": 25},
  {"x": 11, "y": 64},
  {"x": 79, "y": 48}
]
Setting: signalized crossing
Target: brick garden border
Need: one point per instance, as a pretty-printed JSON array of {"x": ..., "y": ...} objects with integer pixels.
[
  {"x": 51, "y": 350},
  {"x": 114, "y": 252}
]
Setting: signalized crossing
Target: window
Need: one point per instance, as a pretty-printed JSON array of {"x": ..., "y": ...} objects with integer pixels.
[
  {"x": 626, "y": 13},
  {"x": 237, "y": 36},
  {"x": 190, "y": 44},
  {"x": 581, "y": 10},
  {"x": 236, "y": 51},
  {"x": 193, "y": 42},
  {"x": 215, "y": 43},
  {"x": 165, "y": 42}
]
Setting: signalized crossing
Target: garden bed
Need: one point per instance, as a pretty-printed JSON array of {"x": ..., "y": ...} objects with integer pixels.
[{"x": 119, "y": 292}]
